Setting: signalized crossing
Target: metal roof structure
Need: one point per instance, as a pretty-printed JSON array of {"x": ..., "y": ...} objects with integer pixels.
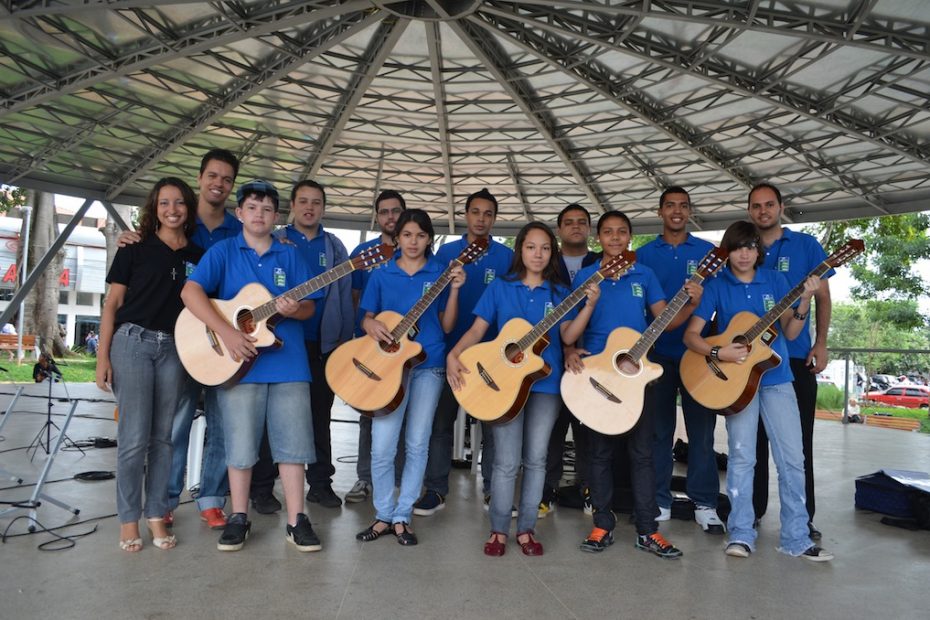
[{"x": 601, "y": 102}]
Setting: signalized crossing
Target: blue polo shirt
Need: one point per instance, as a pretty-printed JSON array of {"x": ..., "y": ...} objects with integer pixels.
[
  {"x": 796, "y": 254},
  {"x": 313, "y": 251},
  {"x": 624, "y": 303},
  {"x": 505, "y": 299},
  {"x": 205, "y": 238},
  {"x": 231, "y": 264},
  {"x": 360, "y": 278},
  {"x": 673, "y": 265},
  {"x": 392, "y": 288},
  {"x": 728, "y": 296},
  {"x": 478, "y": 274}
]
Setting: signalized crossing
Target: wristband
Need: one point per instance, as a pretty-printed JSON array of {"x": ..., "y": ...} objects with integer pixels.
[
  {"x": 715, "y": 353},
  {"x": 800, "y": 316}
]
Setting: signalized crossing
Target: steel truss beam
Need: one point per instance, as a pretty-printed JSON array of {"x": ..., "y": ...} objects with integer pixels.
[
  {"x": 243, "y": 87},
  {"x": 207, "y": 34},
  {"x": 377, "y": 50},
  {"x": 497, "y": 62},
  {"x": 434, "y": 45},
  {"x": 518, "y": 187}
]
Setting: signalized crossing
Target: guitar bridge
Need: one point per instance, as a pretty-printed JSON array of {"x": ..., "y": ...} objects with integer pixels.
[
  {"x": 603, "y": 391},
  {"x": 214, "y": 342},
  {"x": 716, "y": 369},
  {"x": 486, "y": 377},
  {"x": 365, "y": 370}
]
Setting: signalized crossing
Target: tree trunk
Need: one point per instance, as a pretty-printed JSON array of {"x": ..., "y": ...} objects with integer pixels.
[{"x": 41, "y": 312}]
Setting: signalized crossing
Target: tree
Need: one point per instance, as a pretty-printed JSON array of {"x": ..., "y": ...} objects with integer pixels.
[
  {"x": 878, "y": 324},
  {"x": 11, "y": 198},
  {"x": 893, "y": 246}
]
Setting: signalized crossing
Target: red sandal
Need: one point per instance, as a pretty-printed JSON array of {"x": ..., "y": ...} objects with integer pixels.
[
  {"x": 497, "y": 545},
  {"x": 530, "y": 546}
]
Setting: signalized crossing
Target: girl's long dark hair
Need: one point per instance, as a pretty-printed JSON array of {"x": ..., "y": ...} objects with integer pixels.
[
  {"x": 551, "y": 272},
  {"x": 148, "y": 223},
  {"x": 420, "y": 218}
]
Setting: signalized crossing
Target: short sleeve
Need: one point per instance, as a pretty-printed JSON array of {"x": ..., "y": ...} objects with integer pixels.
[
  {"x": 486, "y": 308},
  {"x": 371, "y": 298},
  {"x": 708, "y": 305},
  {"x": 208, "y": 272},
  {"x": 121, "y": 269}
]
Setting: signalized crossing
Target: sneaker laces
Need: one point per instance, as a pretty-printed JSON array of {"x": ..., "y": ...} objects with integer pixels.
[
  {"x": 659, "y": 539},
  {"x": 598, "y": 534}
]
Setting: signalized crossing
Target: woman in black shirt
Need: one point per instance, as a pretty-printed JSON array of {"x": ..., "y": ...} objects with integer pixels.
[{"x": 137, "y": 357}]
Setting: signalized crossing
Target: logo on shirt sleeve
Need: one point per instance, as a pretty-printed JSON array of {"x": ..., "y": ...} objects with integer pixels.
[
  {"x": 784, "y": 263},
  {"x": 188, "y": 268},
  {"x": 489, "y": 275},
  {"x": 322, "y": 259},
  {"x": 280, "y": 278},
  {"x": 637, "y": 289},
  {"x": 768, "y": 301}
]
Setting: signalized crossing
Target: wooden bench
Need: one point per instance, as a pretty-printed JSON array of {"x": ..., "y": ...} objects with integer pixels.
[
  {"x": 823, "y": 414},
  {"x": 904, "y": 424},
  {"x": 8, "y": 342}
]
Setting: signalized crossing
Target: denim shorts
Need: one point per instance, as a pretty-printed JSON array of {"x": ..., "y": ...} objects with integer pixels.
[{"x": 247, "y": 408}]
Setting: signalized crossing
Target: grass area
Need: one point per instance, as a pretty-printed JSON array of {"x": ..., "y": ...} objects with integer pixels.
[
  {"x": 78, "y": 369},
  {"x": 830, "y": 398}
]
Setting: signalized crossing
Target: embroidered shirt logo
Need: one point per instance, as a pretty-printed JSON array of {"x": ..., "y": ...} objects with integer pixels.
[
  {"x": 768, "y": 301},
  {"x": 188, "y": 268},
  {"x": 489, "y": 275},
  {"x": 280, "y": 278},
  {"x": 692, "y": 267},
  {"x": 426, "y": 287},
  {"x": 548, "y": 309},
  {"x": 784, "y": 264},
  {"x": 637, "y": 289},
  {"x": 322, "y": 259}
]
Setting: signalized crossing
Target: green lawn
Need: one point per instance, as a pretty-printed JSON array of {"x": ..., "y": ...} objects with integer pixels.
[{"x": 78, "y": 369}]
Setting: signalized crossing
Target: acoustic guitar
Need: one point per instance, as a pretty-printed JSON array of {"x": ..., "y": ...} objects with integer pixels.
[
  {"x": 502, "y": 371},
  {"x": 371, "y": 375},
  {"x": 252, "y": 311},
  {"x": 607, "y": 395},
  {"x": 728, "y": 387}
]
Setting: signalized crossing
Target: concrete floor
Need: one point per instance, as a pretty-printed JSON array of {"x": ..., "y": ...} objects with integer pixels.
[{"x": 879, "y": 571}]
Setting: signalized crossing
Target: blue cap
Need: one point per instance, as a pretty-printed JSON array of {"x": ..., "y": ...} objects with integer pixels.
[{"x": 257, "y": 186}]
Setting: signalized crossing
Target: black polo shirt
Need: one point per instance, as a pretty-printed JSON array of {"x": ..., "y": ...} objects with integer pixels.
[{"x": 154, "y": 275}]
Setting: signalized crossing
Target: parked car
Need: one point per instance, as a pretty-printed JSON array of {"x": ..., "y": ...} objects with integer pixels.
[
  {"x": 881, "y": 382},
  {"x": 911, "y": 396}
]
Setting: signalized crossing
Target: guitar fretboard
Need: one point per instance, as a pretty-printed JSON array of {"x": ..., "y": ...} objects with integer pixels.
[
  {"x": 778, "y": 309},
  {"x": 267, "y": 309},
  {"x": 413, "y": 315},
  {"x": 655, "y": 329}
]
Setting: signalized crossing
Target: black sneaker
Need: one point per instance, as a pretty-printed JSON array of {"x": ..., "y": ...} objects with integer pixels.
[
  {"x": 302, "y": 535},
  {"x": 814, "y": 533},
  {"x": 234, "y": 534},
  {"x": 429, "y": 503},
  {"x": 266, "y": 504},
  {"x": 324, "y": 496},
  {"x": 598, "y": 540},
  {"x": 656, "y": 543},
  {"x": 817, "y": 554}
]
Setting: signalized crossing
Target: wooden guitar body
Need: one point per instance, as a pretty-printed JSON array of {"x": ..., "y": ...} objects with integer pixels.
[
  {"x": 371, "y": 376},
  {"x": 606, "y": 396},
  {"x": 496, "y": 388},
  {"x": 728, "y": 387},
  {"x": 202, "y": 351}
]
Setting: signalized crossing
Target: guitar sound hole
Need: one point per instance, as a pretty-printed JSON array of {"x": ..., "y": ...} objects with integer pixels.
[
  {"x": 393, "y": 347},
  {"x": 245, "y": 322},
  {"x": 626, "y": 365},
  {"x": 513, "y": 353},
  {"x": 741, "y": 339}
]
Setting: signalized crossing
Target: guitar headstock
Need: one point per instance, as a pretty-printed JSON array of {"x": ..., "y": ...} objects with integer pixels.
[
  {"x": 374, "y": 255},
  {"x": 850, "y": 250},
  {"x": 618, "y": 264},
  {"x": 712, "y": 262},
  {"x": 474, "y": 250}
]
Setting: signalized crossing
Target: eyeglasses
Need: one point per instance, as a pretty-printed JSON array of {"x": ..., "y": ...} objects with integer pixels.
[{"x": 394, "y": 211}]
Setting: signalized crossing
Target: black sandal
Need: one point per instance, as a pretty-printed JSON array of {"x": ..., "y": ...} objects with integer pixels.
[
  {"x": 370, "y": 533},
  {"x": 405, "y": 536}
]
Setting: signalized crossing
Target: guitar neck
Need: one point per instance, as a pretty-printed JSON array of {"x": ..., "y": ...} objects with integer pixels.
[
  {"x": 414, "y": 314},
  {"x": 543, "y": 327},
  {"x": 268, "y": 309},
  {"x": 655, "y": 329},
  {"x": 778, "y": 309}
]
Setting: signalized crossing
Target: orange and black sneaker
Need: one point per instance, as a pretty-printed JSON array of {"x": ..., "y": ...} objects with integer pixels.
[
  {"x": 598, "y": 540},
  {"x": 656, "y": 543}
]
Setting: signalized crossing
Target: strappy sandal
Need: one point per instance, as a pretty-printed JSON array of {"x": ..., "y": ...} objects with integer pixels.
[
  {"x": 162, "y": 542},
  {"x": 370, "y": 533},
  {"x": 530, "y": 546},
  {"x": 132, "y": 545},
  {"x": 405, "y": 537},
  {"x": 497, "y": 545}
]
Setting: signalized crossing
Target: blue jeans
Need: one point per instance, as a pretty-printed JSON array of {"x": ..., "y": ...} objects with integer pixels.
[
  {"x": 440, "y": 446},
  {"x": 524, "y": 440},
  {"x": 779, "y": 410},
  {"x": 214, "y": 484},
  {"x": 283, "y": 409},
  {"x": 417, "y": 411},
  {"x": 703, "y": 483},
  {"x": 146, "y": 376}
]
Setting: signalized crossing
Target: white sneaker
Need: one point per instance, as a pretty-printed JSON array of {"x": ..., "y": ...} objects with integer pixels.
[
  {"x": 664, "y": 514},
  {"x": 707, "y": 518}
]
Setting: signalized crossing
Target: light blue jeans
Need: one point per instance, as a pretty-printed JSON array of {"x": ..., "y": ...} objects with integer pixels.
[
  {"x": 524, "y": 440},
  {"x": 283, "y": 408},
  {"x": 779, "y": 410},
  {"x": 214, "y": 483},
  {"x": 146, "y": 376},
  {"x": 417, "y": 408}
]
